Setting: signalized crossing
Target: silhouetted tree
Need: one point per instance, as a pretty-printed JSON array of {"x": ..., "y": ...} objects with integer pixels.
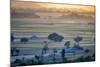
[
  {"x": 77, "y": 40},
  {"x": 17, "y": 51},
  {"x": 32, "y": 60},
  {"x": 17, "y": 62},
  {"x": 55, "y": 37},
  {"x": 63, "y": 54},
  {"x": 24, "y": 40},
  {"x": 87, "y": 51},
  {"x": 23, "y": 62},
  {"x": 54, "y": 51},
  {"x": 12, "y": 37},
  {"x": 93, "y": 56},
  {"x": 67, "y": 44},
  {"x": 44, "y": 50},
  {"x": 38, "y": 59}
]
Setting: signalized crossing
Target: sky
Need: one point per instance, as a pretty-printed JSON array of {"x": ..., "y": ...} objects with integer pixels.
[
  {"x": 28, "y": 16},
  {"x": 29, "y": 9}
]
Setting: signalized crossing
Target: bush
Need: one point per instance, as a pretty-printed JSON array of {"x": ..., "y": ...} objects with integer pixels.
[
  {"x": 55, "y": 37},
  {"x": 88, "y": 58},
  {"x": 24, "y": 40},
  {"x": 78, "y": 39},
  {"x": 87, "y": 51},
  {"x": 17, "y": 61},
  {"x": 67, "y": 44}
]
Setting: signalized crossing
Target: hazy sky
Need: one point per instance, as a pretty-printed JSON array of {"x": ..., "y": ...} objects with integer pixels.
[{"x": 21, "y": 9}]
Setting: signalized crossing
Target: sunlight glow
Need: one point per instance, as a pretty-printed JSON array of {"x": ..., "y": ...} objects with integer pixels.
[{"x": 83, "y": 2}]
